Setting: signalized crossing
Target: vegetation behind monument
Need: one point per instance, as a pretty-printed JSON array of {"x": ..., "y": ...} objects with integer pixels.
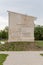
[
  {"x": 38, "y": 33},
  {"x": 4, "y": 34}
]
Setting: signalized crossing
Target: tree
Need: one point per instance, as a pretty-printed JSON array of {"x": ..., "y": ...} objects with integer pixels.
[
  {"x": 38, "y": 32},
  {"x": 4, "y": 33},
  {"x": 0, "y": 35}
]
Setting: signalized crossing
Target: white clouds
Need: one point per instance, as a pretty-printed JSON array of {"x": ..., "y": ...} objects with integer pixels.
[
  {"x": 3, "y": 22},
  {"x": 29, "y": 7},
  {"x": 39, "y": 21}
]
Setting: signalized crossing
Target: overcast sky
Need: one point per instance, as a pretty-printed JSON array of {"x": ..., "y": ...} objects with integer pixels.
[{"x": 28, "y": 7}]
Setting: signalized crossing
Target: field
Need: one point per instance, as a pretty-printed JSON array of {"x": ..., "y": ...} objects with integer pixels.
[
  {"x": 2, "y": 58},
  {"x": 22, "y": 46},
  {"x": 39, "y": 43}
]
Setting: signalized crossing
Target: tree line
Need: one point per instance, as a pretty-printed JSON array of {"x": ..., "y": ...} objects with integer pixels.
[
  {"x": 38, "y": 33},
  {"x": 4, "y": 33}
]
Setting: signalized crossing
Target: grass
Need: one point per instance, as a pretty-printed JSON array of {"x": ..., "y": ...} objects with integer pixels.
[
  {"x": 39, "y": 43},
  {"x": 41, "y": 54},
  {"x": 22, "y": 46},
  {"x": 14, "y": 46},
  {"x": 2, "y": 58}
]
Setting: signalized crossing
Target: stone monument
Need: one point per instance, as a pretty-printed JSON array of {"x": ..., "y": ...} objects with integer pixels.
[{"x": 21, "y": 27}]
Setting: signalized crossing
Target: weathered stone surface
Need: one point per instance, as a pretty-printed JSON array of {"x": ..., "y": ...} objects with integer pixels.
[{"x": 21, "y": 27}]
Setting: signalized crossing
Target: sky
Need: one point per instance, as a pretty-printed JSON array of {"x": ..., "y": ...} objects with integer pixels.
[{"x": 28, "y": 7}]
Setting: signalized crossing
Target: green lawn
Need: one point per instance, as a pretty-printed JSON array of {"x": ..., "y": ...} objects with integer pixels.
[
  {"x": 22, "y": 46},
  {"x": 41, "y": 54},
  {"x": 14, "y": 46},
  {"x": 2, "y": 58},
  {"x": 39, "y": 43}
]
